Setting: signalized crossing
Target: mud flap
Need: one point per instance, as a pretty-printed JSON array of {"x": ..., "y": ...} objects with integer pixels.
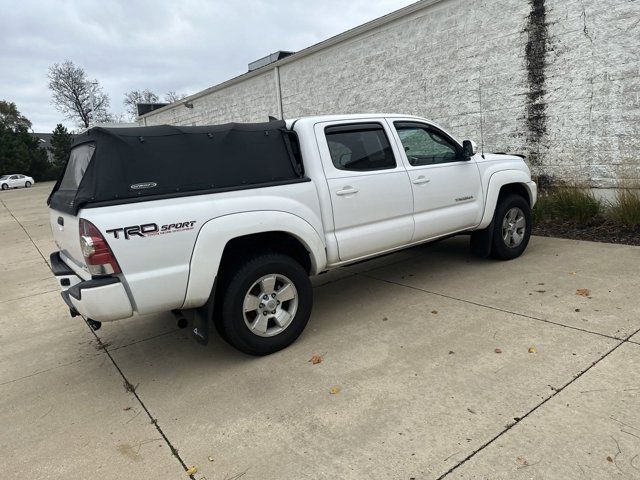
[
  {"x": 202, "y": 318},
  {"x": 481, "y": 241}
]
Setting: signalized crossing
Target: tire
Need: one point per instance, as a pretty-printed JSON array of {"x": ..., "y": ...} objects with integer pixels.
[
  {"x": 510, "y": 236},
  {"x": 27, "y": 184},
  {"x": 247, "y": 328},
  {"x": 5, "y": 186}
]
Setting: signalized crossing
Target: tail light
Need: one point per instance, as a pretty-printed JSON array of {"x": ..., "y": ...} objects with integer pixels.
[{"x": 96, "y": 251}]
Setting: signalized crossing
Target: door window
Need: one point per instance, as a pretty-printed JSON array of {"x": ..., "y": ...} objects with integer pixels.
[
  {"x": 427, "y": 146},
  {"x": 361, "y": 147}
]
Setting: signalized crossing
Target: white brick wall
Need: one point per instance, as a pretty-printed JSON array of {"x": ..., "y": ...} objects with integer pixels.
[{"x": 440, "y": 60}]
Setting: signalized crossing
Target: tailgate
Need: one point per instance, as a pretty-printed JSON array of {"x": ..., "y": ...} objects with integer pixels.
[
  {"x": 64, "y": 227},
  {"x": 62, "y": 216}
]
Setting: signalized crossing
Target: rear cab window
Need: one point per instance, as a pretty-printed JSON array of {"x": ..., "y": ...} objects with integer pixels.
[
  {"x": 63, "y": 196},
  {"x": 77, "y": 166}
]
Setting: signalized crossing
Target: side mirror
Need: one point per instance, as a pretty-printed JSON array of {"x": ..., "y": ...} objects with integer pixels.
[{"x": 470, "y": 148}]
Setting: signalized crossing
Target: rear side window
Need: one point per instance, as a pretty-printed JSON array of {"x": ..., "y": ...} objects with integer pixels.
[
  {"x": 361, "y": 147},
  {"x": 77, "y": 165}
]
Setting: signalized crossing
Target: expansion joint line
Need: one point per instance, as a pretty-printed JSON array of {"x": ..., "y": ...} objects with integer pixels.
[
  {"x": 538, "y": 319},
  {"x": 621, "y": 341},
  {"x": 520, "y": 419},
  {"x": 154, "y": 421}
]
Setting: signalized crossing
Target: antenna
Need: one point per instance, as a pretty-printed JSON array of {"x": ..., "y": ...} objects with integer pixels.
[{"x": 481, "y": 115}]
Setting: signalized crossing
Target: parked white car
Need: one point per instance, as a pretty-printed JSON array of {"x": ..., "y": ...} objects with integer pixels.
[
  {"x": 15, "y": 181},
  {"x": 226, "y": 223}
]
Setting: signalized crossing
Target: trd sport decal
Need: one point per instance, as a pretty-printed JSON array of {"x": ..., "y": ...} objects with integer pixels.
[{"x": 151, "y": 229}]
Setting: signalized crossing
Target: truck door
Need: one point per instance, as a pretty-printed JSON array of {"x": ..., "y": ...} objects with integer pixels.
[
  {"x": 369, "y": 187},
  {"x": 447, "y": 193}
]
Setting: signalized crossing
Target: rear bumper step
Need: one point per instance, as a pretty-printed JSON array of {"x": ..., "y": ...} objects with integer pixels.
[
  {"x": 58, "y": 267},
  {"x": 102, "y": 299}
]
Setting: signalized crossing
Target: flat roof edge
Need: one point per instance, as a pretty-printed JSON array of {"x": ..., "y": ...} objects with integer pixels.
[{"x": 329, "y": 42}]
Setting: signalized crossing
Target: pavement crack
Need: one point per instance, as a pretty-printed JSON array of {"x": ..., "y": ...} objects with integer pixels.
[
  {"x": 536, "y": 407},
  {"x": 28, "y": 296},
  {"x": 132, "y": 390},
  {"x": 40, "y": 372},
  {"x": 143, "y": 340}
]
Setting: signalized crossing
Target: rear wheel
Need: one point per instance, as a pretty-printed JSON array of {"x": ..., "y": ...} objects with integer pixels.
[
  {"x": 266, "y": 304},
  {"x": 27, "y": 184},
  {"x": 512, "y": 227}
]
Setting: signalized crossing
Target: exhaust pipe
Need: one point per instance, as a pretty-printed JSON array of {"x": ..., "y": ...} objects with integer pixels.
[
  {"x": 94, "y": 324},
  {"x": 180, "y": 318}
]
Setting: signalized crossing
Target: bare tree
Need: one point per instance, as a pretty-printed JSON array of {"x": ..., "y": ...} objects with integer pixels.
[
  {"x": 171, "y": 96},
  {"x": 134, "y": 97},
  {"x": 73, "y": 94}
]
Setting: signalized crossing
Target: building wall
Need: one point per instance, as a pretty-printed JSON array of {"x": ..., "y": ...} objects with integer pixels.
[
  {"x": 251, "y": 100},
  {"x": 556, "y": 80}
]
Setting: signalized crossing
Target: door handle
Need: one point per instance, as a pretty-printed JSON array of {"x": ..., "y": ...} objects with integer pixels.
[
  {"x": 347, "y": 191},
  {"x": 421, "y": 180}
]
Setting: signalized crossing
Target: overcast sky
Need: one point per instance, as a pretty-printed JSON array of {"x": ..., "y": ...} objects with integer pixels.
[{"x": 181, "y": 45}]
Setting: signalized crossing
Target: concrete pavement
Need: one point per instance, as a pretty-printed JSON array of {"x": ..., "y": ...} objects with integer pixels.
[{"x": 408, "y": 340}]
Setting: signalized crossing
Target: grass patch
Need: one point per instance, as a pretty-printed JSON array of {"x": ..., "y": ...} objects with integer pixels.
[
  {"x": 626, "y": 208},
  {"x": 568, "y": 203}
]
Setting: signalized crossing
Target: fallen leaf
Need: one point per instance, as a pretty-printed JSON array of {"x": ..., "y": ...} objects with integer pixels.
[
  {"x": 315, "y": 359},
  {"x": 532, "y": 350},
  {"x": 470, "y": 410},
  {"x": 497, "y": 350},
  {"x": 210, "y": 458},
  {"x": 541, "y": 283},
  {"x": 451, "y": 352},
  {"x": 385, "y": 319},
  {"x": 334, "y": 390},
  {"x": 522, "y": 461},
  {"x": 609, "y": 459},
  {"x": 584, "y": 292},
  {"x": 435, "y": 312},
  {"x": 540, "y": 291},
  {"x": 192, "y": 470},
  {"x": 572, "y": 273},
  {"x": 126, "y": 408},
  {"x": 577, "y": 309}
]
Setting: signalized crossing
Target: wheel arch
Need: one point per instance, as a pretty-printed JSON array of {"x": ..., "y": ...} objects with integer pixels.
[
  {"x": 223, "y": 239},
  {"x": 503, "y": 183}
]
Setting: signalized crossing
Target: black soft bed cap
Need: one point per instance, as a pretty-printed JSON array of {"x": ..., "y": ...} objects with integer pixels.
[{"x": 121, "y": 164}]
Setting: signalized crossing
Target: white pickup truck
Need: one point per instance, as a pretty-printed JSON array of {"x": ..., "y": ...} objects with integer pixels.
[{"x": 227, "y": 222}]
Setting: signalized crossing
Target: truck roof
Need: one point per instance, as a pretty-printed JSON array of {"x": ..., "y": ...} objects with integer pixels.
[{"x": 351, "y": 116}]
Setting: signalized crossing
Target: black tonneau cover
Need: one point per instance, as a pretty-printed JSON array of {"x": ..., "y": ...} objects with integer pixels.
[{"x": 130, "y": 163}]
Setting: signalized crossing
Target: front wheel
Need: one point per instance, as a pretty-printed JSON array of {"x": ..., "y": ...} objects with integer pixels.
[
  {"x": 512, "y": 227},
  {"x": 27, "y": 184},
  {"x": 266, "y": 304},
  {"x": 5, "y": 186}
]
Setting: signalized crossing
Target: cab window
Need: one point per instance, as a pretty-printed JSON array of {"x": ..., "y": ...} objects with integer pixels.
[
  {"x": 425, "y": 145},
  {"x": 360, "y": 147}
]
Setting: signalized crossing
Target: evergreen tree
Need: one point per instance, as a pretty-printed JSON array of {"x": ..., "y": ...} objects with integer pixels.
[
  {"x": 61, "y": 141},
  {"x": 20, "y": 152}
]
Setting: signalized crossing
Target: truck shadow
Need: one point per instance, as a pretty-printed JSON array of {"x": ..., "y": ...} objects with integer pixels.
[
  {"x": 349, "y": 304},
  {"x": 155, "y": 340}
]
